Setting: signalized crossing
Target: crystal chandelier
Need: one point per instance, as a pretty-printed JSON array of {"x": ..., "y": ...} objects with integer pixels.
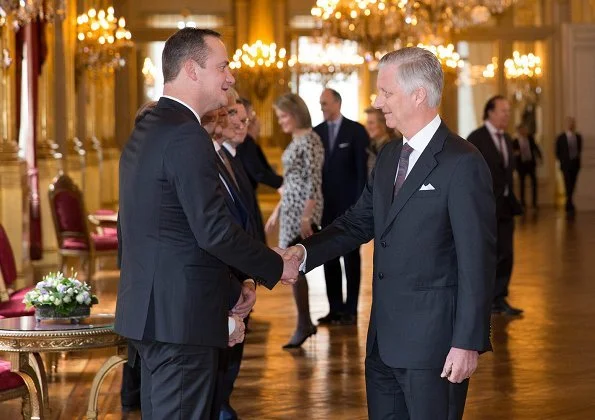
[
  {"x": 260, "y": 65},
  {"x": 100, "y": 37},
  {"x": 448, "y": 57},
  {"x": 384, "y": 25},
  {"x": 24, "y": 11},
  {"x": 322, "y": 62}
]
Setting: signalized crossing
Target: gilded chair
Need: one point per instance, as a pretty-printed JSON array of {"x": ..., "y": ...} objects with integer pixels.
[
  {"x": 11, "y": 301},
  {"x": 12, "y": 386},
  {"x": 72, "y": 229}
]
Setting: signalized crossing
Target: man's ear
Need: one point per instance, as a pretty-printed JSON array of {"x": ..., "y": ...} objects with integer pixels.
[
  {"x": 190, "y": 68},
  {"x": 420, "y": 95}
]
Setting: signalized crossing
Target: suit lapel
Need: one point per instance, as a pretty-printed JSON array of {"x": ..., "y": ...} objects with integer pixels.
[{"x": 423, "y": 167}]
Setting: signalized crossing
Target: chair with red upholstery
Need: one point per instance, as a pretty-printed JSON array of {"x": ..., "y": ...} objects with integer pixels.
[
  {"x": 72, "y": 230},
  {"x": 12, "y": 386},
  {"x": 11, "y": 301}
]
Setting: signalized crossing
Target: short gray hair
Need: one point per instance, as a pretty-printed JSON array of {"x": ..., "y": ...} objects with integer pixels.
[{"x": 416, "y": 68}]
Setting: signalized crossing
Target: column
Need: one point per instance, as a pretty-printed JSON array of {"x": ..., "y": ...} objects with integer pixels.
[{"x": 14, "y": 195}]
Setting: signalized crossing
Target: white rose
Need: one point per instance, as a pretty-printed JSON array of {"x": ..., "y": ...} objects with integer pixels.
[
  {"x": 88, "y": 301},
  {"x": 57, "y": 301},
  {"x": 67, "y": 299},
  {"x": 80, "y": 298}
]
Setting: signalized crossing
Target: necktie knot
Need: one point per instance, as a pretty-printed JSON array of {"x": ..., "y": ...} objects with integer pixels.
[{"x": 406, "y": 151}]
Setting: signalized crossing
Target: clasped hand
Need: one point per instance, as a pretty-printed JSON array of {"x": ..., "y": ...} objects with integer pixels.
[{"x": 292, "y": 259}]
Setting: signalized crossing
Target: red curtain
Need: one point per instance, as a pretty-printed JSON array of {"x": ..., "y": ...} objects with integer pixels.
[{"x": 33, "y": 36}]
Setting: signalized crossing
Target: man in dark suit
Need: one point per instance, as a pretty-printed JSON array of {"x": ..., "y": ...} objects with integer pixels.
[
  {"x": 178, "y": 236},
  {"x": 569, "y": 146},
  {"x": 527, "y": 154},
  {"x": 430, "y": 209},
  {"x": 496, "y": 147},
  {"x": 344, "y": 175},
  {"x": 253, "y": 159}
]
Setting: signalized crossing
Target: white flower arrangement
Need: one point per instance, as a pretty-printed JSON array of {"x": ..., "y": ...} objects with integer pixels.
[{"x": 61, "y": 293}]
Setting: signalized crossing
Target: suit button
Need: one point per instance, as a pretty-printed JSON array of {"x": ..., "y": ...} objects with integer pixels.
[
  {"x": 380, "y": 276},
  {"x": 383, "y": 244}
]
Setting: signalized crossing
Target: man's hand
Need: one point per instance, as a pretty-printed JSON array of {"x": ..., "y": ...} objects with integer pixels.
[
  {"x": 291, "y": 267},
  {"x": 246, "y": 301},
  {"x": 237, "y": 336},
  {"x": 460, "y": 365},
  {"x": 295, "y": 252}
]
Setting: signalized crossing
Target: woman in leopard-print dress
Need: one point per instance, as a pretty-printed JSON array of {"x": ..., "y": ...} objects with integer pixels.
[{"x": 301, "y": 203}]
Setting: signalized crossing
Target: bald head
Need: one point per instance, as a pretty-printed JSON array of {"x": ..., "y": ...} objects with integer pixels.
[{"x": 330, "y": 104}]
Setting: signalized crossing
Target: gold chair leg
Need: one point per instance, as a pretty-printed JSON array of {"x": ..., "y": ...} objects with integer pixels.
[
  {"x": 20, "y": 364},
  {"x": 26, "y": 407},
  {"x": 109, "y": 364}
]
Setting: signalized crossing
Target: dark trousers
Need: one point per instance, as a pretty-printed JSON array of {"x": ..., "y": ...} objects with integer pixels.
[
  {"x": 411, "y": 394},
  {"x": 230, "y": 360},
  {"x": 130, "y": 390},
  {"x": 504, "y": 248},
  {"x": 527, "y": 169},
  {"x": 570, "y": 176},
  {"x": 177, "y": 381},
  {"x": 334, "y": 283}
]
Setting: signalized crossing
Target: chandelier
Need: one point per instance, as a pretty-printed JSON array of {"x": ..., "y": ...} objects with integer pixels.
[
  {"x": 385, "y": 25},
  {"x": 260, "y": 65},
  {"x": 526, "y": 66},
  {"x": 448, "y": 57},
  {"x": 25, "y": 11},
  {"x": 100, "y": 37},
  {"x": 322, "y": 62}
]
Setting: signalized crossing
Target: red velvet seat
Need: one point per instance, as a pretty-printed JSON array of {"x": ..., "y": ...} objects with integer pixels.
[
  {"x": 11, "y": 302},
  {"x": 12, "y": 385},
  {"x": 72, "y": 230}
]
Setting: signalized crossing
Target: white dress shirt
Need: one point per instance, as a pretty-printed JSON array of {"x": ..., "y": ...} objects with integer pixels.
[
  {"x": 572, "y": 145},
  {"x": 494, "y": 133},
  {"x": 419, "y": 142},
  {"x": 185, "y": 104}
]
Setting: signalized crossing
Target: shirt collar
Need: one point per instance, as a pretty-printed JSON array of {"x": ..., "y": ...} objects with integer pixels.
[
  {"x": 336, "y": 122},
  {"x": 230, "y": 148},
  {"x": 217, "y": 146},
  {"x": 183, "y": 103},
  {"x": 569, "y": 134},
  {"x": 493, "y": 130},
  {"x": 422, "y": 138}
]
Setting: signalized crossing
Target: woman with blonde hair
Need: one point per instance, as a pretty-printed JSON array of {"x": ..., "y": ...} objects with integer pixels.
[{"x": 299, "y": 211}]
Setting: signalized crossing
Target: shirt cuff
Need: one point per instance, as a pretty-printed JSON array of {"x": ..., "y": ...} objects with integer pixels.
[
  {"x": 250, "y": 281},
  {"x": 303, "y": 264},
  {"x": 231, "y": 325}
]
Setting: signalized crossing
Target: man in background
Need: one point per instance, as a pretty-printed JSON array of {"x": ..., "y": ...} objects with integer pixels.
[
  {"x": 344, "y": 175},
  {"x": 526, "y": 153},
  {"x": 496, "y": 147},
  {"x": 569, "y": 147}
]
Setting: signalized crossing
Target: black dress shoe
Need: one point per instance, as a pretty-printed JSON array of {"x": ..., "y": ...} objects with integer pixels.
[
  {"x": 348, "y": 319},
  {"x": 504, "y": 308},
  {"x": 330, "y": 318}
]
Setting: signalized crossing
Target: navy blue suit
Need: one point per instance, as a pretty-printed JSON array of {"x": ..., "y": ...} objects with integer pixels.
[{"x": 344, "y": 175}]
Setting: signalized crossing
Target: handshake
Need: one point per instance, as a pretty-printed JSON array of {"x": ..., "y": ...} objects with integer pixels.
[{"x": 293, "y": 258}]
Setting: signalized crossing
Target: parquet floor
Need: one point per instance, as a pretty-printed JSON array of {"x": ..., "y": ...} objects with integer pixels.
[{"x": 542, "y": 367}]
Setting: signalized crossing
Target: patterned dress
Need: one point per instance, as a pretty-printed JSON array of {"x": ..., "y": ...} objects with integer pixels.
[{"x": 302, "y": 180}]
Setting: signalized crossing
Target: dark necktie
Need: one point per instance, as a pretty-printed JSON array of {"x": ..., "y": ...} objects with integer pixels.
[
  {"x": 503, "y": 149},
  {"x": 402, "y": 170},
  {"x": 331, "y": 135},
  {"x": 227, "y": 164}
]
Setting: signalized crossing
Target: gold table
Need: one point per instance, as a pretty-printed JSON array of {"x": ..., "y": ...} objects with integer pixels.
[{"x": 24, "y": 339}]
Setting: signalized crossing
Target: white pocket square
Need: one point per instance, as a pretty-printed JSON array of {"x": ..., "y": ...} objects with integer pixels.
[
  {"x": 428, "y": 187},
  {"x": 343, "y": 145}
]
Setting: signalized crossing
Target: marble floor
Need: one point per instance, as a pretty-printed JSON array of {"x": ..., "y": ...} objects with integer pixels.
[{"x": 542, "y": 366}]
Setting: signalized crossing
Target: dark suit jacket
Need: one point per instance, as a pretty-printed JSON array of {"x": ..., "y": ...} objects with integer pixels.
[
  {"x": 507, "y": 206},
  {"x": 434, "y": 252},
  {"x": 563, "y": 153},
  {"x": 178, "y": 236},
  {"x": 256, "y": 165},
  {"x": 535, "y": 153},
  {"x": 345, "y": 172}
]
